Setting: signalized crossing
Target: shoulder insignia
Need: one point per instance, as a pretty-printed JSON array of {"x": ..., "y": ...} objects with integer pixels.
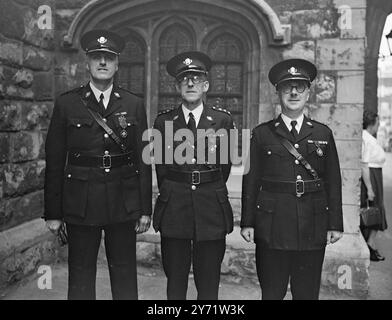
[
  {"x": 164, "y": 111},
  {"x": 117, "y": 95},
  {"x": 221, "y": 109}
]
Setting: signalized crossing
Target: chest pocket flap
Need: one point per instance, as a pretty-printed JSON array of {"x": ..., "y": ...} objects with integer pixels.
[
  {"x": 80, "y": 122},
  {"x": 275, "y": 149}
]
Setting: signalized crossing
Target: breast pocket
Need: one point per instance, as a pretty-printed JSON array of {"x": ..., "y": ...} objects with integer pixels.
[
  {"x": 274, "y": 157},
  {"x": 78, "y": 130},
  {"x": 75, "y": 191}
]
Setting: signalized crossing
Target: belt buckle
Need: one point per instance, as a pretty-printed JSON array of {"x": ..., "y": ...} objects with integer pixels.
[
  {"x": 299, "y": 187},
  {"x": 106, "y": 156},
  {"x": 195, "y": 177}
]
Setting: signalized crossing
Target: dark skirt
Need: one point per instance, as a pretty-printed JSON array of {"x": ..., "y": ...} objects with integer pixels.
[{"x": 377, "y": 184}]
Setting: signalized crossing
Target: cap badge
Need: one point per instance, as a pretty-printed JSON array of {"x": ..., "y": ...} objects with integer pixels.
[
  {"x": 102, "y": 40},
  {"x": 187, "y": 61},
  {"x": 293, "y": 70}
]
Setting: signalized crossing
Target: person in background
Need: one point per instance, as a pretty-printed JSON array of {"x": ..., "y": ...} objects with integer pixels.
[{"x": 373, "y": 159}]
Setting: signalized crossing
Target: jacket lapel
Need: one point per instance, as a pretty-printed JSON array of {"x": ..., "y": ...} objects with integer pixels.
[
  {"x": 206, "y": 119},
  {"x": 306, "y": 129},
  {"x": 114, "y": 102},
  {"x": 89, "y": 99},
  {"x": 281, "y": 129},
  {"x": 178, "y": 119}
]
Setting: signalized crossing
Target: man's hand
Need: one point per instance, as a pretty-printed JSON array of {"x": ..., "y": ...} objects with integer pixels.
[
  {"x": 53, "y": 225},
  {"x": 143, "y": 224},
  {"x": 248, "y": 234},
  {"x": 370, "y": 194},
  {"x": 333, "y": 236}
]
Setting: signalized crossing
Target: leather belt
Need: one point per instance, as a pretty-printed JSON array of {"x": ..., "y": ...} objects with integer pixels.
[
  {"x": 298, "y": 187},
  {"x": 195, "y": 177},
  {"x": 104, "y": 162}
]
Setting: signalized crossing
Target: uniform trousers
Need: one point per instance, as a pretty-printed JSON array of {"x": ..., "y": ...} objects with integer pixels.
[
  {"x": 206, "y": 258},
  {"x": 120, "y": 247},
  {"x": 275, "y": 268}
]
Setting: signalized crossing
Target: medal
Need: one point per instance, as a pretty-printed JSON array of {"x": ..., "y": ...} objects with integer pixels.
[
  {"x": 123, "y": 124},
  {"x": 319, "y": 152}
]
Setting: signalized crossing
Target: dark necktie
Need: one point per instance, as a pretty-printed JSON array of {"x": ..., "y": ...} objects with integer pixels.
[
  {"x": 293, "y": 129},
  {"x": 101, "y": 105},
  {"x": 192, "y": 127}
]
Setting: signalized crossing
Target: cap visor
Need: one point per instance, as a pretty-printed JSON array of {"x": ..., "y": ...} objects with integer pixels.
[
  {"x": 102, "y": 50},
  {"x": 294, "y": 78},
  {"x": 190, "y": 70}
]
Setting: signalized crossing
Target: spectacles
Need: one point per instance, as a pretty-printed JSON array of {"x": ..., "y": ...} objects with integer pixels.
[
  {"x": 196, "y": 79},
  {"x": 286, "y": 87}
]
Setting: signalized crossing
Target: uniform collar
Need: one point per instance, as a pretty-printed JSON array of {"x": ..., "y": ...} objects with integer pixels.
[
  {"x": 287, "y": 121},
  {"x": 106, "y": 93},
  {"x": 196, "y": 112}
]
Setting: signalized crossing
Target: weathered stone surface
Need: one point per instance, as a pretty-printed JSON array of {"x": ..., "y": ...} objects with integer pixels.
[
  {"x": 335, "y": 116},
  {"x": 351, "y": 218},
  {"x": 325, "y": 87},
  {"x": 314, "y": 24},
  {"x": 284, "y": 5},
  {"x": 37, "y": 59},
  {"x": 356, "y": 26},
  {"x": 21, "y": 209},
  {"x": 36, "y": 115},
  {"x": 5, "y": 150},
  {"x": 301, "y": 49},
  {"x": 64, "y": 18},
  {"x": 43, "y": 86},
  {"x": 350, "y": 3},
  {"x": 23, "y": 78},
  {"x": 11, "y": 51},
  {"x": 10, "y": 115},
  {"x": 11, "y": 22},
  {"x": 68, "y": 4},
  {"x": 25, "y": 145},
  {"x": 15, "y": 83},
  {"x": 350, "y": 87},
  {"x": 350, "y": 186},
  {"x": 336, "y": 54},
  {"x": 351, "y": 159},
  {"x": 23, "y": 178}
]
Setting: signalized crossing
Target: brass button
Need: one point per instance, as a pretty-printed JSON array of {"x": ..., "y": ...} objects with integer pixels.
[
  {"x": 296, "y": 146},
  {"x": 269, "y": 152},
  {"x": 106, "y": 135},
  {"x": 107, "y": 170},
  {"x": 106, "y": 152},
  {"x": 299, "y": 195},
  {"x": 258, "y": 207},
  {"x": 137, "y": 171},
  {"x": 193, "y": 160},
  {"x": 193, "y": 187},
  {"x": 299, "y": 177},
  {"x": 104, "y": 119},
  {"x": 78, "y": 125},
  {"x": 296, "y": 161},
  {"x": 69, "y": 176}
]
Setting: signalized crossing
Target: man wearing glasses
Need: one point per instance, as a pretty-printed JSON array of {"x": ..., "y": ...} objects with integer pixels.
[
  {"x": 192, "y": 212},
  {"x": 291, "y": 196}
]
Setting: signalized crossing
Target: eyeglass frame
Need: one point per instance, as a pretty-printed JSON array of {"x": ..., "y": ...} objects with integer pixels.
[
  {"x": 183, "y": 80},
  {"x": 289, "y": 84}
]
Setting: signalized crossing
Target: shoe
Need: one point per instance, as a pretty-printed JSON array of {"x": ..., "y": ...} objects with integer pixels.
[{"x": 375, "y": 255}]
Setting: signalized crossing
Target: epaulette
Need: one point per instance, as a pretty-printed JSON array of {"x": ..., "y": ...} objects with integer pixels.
[
  {"x": 222, "y": 110},
  {"x": 77, "y": 89},
  {"x": 165, "y": 111},
  {"x": 317, "y": 122}
]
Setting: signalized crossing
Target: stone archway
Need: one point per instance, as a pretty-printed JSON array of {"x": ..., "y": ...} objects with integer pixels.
[
  {"x": 376, "y": 15},
  {"x": 253, "y": 22}
]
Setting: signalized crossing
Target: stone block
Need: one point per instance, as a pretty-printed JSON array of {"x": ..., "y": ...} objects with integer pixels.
[
  {"x": 345, "y": 120},
  {"x": 351, "y": 219},
  {"x": 21, "y": 209},
  {"x": 36, "y": 115},
  {"x": 350, "y": 3},
  {"x": 23, "y": 78},
  {"x": 325, "y": 87},
  {"x": 11, "y": 22},
  {"x": 15, "y": 83},
  {"x": 352, "y": 23},
  {"x": 350, "y": 87},
  {"x": 337, "y": 54},
  {"x": 301, "y": 49},
  {"x": 23, "y": 178},
  {"x": 352, "y": 159},
  {"x": 43, "y": 86},
  {"x": 25, "y": 145},
  {"x": 11, "y": 51},
  {"x": 10, "y": 115},
  {"x": 37, "y": 59},
  {"x": 351, "y": 186},
  {"x": 5, "y": 150},
  {"x": 314, "y": 24}
]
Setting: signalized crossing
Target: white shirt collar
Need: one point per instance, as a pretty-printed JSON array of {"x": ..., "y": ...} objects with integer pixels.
[
  {"x": 196, "y": 113},
  {"x": 106, "y": 93},
  {"x": 287, "y": 121}
]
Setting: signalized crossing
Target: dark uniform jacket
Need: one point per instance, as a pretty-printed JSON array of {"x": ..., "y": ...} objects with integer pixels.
[
  {"x": 283, "y": 220},
  {"x": 89, "y": 195},
  {"x": 204, "y": 213}
]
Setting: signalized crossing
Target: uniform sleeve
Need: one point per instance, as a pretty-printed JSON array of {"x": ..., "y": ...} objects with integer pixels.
[
  {"x": 55, "y": 156},
  {"x": 144, "y": 168},
  {"x": 159, "y": 152},
  {"x": 334, "y": 187},
  {"x": 251, "y": 184}
]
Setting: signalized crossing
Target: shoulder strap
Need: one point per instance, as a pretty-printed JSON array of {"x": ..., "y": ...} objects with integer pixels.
[{"x": 298, "y": 156}]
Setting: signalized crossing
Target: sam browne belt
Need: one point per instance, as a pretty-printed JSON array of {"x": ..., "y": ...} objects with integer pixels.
[
  {"x": 297, "y": 187},
  {"x": 105, "y": 162},
  {"x": 195, "y": 177}
]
